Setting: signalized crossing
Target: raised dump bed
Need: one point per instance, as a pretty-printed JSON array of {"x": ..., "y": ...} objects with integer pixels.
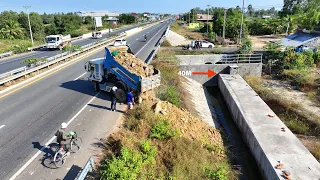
[{"x": 262, "y": 131}]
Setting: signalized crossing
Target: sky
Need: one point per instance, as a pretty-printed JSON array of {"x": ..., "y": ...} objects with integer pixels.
[{"x": 125, "y": 6}]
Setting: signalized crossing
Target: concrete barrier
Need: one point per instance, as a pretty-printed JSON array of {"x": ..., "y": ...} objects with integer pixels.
[{"x": 263, "y": 134}]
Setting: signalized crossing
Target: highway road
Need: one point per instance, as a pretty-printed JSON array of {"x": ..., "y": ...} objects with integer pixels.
[
  {"x": 14, "y": 62},
  {"x": 31, "y": 115}
]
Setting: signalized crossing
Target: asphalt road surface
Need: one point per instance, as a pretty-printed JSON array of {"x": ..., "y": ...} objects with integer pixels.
[
  {"x": 14, "y": 62},
  {"x": 31, "y": 115}
]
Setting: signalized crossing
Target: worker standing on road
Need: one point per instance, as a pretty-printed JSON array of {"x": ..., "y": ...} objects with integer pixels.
[
  {"x": 130, "y": 99},
  {"x": 113, "y": 98}
]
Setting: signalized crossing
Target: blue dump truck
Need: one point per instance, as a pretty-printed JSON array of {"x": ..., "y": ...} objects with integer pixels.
[{"x": 107, "y": 72}]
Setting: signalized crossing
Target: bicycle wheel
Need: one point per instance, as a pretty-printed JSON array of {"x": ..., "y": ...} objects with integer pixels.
[
  {"x": 75, "y": 144},
  {"x": 58, "y": 159}
]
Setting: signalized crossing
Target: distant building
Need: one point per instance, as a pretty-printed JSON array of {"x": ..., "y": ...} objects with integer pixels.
[
  {"x": 204, "y": 17},
  {"x": 266, "y": 17},
  {"x": 302, "y": 37},
  {"x": 112, "y": 16}
]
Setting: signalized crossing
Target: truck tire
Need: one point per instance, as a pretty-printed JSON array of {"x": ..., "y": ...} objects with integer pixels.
[
  {"x": 121, "y": 96},
  {"x": 96, "y": 86},
  {"x": 121, "y": 85},
  {"x": 210, "y": 46}
]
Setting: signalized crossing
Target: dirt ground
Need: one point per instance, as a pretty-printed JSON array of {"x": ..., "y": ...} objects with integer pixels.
[{"x": 259, "y": 41}]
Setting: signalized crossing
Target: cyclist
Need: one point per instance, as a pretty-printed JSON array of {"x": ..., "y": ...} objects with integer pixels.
[
  {"x": 145, "y": 37},
  {"x": 62, "y": 138}
]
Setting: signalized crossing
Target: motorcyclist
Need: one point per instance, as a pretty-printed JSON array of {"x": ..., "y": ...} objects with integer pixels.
[{"x": 145, "y": 37}]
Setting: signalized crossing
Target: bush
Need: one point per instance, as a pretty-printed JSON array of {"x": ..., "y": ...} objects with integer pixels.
[
  {"x": 166, "y": 44},
  {"x": 76, "y": 33},
  {"x": 301, "y": 77},
  {"x": 171, "y": 95},
  {"x": 246, "y": 47},
  {"x": 217, "y": 174},
  {"x": 316, "y": 57},
  {"x": 129, "y": 163},
  {"x": 162, "y": 130},
  {"x": 20, "y": 48}
]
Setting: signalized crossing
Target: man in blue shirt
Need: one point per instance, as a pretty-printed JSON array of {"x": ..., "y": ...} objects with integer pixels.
[{"x": 130, "y": 100}]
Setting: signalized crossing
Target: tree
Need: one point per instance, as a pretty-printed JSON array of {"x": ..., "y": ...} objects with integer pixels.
[
  {"x": 47, "y": 18},
  {"x": 11, "y": 30},
  {"x": 246, "y": 47},
  {"x": 7, "y": 15},
  {"x": 88, "y": 20},
  {"x": 250, "y": 10},
  {"x": 126, "y": 18}
]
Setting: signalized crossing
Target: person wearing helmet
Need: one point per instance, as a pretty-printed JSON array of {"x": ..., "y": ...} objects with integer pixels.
[
  {"x": 113, "y": 98},
  {"x": 61, "y": 136}
]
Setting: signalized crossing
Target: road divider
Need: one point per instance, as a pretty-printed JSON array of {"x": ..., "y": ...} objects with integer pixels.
[{"x": 6, "y": 54}]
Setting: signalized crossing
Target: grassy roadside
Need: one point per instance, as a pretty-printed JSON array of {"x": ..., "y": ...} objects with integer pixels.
[
  {"x": 187, "y": 33},
  {"x": 16, "y": 46},
  {"x": 161, "y": 140},
  {"x": 298, "y": 121}
]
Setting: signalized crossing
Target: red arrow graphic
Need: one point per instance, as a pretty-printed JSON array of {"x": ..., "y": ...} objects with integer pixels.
[{"x": 210, "y": 73}]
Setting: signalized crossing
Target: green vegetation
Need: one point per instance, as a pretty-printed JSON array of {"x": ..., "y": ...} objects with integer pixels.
[
  {"x": 294, "y": 14},
  {"x": 162, "y": 130},
  {"x": 72, "y": 48},
  {"x": 33, "y": 61},
  {"x": 245, "y": 47},
  {"x": 130, "y": 163},
  {"x": 14, "y": 27},
  {"x": 16, "y": 45},
  {"x": 171, "y": 89}
]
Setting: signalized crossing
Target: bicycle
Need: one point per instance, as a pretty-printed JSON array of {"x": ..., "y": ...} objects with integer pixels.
[{"x": 73, "y": 146}]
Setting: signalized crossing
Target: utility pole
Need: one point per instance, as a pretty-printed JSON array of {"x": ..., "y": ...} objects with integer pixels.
[
  {"x": 208, "y": 21},
  {"x": 241, "y": 22},
  {"x": 224, "y": 24},
  {"x": 27, "y": 7},
  {"x": 189, "y": 18},
  {"x": 193, "y": 16}
]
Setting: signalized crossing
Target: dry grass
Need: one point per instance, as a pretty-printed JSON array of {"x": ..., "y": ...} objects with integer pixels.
[
  {"x": 187, "y": 33},
  {"x": 313, "y": 144},
  {"x": 196, "y": 150},
  {"x": 166, "y": 43},
  {"x": 299, "y": 122}
]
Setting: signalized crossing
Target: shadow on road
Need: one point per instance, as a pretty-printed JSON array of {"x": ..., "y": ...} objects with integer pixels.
[
  {"x": 73, "y": 172},
  {"x": 80, "y": 85},
  {"x": 48, "y": 155},
  {"x": 104, "y": 107}
]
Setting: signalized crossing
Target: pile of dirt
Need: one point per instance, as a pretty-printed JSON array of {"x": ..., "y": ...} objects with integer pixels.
[
  {"x": 189, "y": 126},
  {"x": 134, "y": 64}
]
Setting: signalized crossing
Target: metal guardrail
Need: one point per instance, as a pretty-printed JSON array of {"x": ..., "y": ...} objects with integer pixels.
[
  {"x": 6, "y": 54},
  {"x": 17, "y": 73},
  {"x": 240, "y": 58},
  {"x": 89, "y": 165},
  {"x": 14, "y": 74}
]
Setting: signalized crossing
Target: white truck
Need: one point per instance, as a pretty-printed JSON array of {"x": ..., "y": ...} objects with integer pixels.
[{"x": 58, "y": 41}]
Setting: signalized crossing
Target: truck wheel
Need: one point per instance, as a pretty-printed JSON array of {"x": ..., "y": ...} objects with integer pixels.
[
  {"x": 210, "y": 46},
  {"x": 121, "y": 96},
  {"x": 96, "y": 87},
  {"x": 121, "y": 85}
]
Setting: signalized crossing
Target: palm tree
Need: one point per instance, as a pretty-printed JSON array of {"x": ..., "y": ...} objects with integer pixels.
[
  {"x": 12, "y": 29},
  {"x": 250, "y": 10},
  {"x": 290, "y": 20}
]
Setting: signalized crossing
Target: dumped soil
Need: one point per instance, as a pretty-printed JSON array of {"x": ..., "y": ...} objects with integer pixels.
[
  {"x": 188, "y": 125},
  {"x": 134, "y": 64}
]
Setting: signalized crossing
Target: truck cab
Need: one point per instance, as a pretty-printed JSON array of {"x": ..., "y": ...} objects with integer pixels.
[{"x": 53, "y": 41}]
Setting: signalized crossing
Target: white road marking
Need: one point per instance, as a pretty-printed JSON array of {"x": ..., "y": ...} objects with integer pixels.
[
  {"x": 137, "y": 39},
  {"x": 2, "y": 126},
  {"x": 149, "y": 41},
  {"x": 148, "y": 32},
  {"x": 79, "y": 76},
  {"x": 49, "y": 142}
]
